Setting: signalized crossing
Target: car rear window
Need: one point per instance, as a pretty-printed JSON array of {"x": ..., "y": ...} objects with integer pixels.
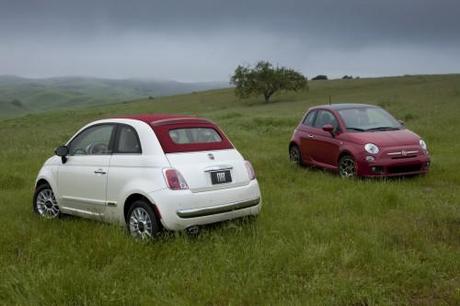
[
  {"x": 194, "y": 135},
  {"x": 191, "y": 137}
]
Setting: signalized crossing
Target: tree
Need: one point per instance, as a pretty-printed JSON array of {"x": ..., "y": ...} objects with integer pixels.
[
  {"x": 17, "y": 103},
  {"x": 264, "y": 79},
  {"x": 320, "y": 77}
]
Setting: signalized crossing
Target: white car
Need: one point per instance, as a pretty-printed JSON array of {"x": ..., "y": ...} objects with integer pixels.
[{"x": 148, "y": 171}]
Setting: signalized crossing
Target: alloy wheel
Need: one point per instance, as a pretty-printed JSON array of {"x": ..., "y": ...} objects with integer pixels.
[
  {"x": 140, "y": 223},
  {"x": 46, "y": 204},
  {"x": 294, "y": 155},
  {"x": 347, "y": 167}
]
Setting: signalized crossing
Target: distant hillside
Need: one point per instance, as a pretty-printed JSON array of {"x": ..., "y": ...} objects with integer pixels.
[
  {"x": 20, "y": 96},
  {"x": 320, "y": 239}
]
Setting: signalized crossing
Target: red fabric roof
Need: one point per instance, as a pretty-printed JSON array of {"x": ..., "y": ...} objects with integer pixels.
[
  {"x": 163, "y": 123},
  {"x": 152, "y": 118}
]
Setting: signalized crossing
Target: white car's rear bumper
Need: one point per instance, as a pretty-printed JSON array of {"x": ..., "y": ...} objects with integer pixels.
[{"x": 182, "y": 209}]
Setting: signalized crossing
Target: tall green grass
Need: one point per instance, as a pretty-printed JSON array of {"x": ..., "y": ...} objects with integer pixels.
[{"x": 320, "y": 240}]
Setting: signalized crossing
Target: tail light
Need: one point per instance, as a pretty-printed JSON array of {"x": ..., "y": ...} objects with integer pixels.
[
  {"x": 250, "y": 169},
  {"x": 174, "y": 179}
]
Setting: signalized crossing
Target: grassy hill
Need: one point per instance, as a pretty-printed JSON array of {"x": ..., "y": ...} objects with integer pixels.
[
  {"x": 19, "y": 96},
  {"x": 320, "y": 240}
]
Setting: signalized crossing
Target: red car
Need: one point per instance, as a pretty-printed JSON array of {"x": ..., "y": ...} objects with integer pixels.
[{"x": 358, "y": 140}]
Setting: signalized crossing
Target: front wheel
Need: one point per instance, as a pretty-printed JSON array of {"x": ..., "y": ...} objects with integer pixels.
[
  {"x": 45, "y": 203},
  {"x": 294, "y": 155},
  {"x": 347, "y": 167},
  {"x": 142, "y": 222}
]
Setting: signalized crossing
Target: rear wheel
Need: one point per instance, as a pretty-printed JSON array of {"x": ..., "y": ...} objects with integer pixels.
[
  {"x": 347, "y": 166},
  {"x": 45, "y": 203},
  {"x": 294, "y": 155},
  {"x": 142, "y": 222}
]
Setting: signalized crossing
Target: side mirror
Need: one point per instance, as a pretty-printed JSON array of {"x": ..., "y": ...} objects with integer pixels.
[
  {"x": 329, "y": 128},
  {"x": 401, "y": 122},
  {"x": 62, "y": 151}
]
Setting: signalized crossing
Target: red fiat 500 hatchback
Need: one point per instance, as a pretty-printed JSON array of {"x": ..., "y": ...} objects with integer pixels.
[{"x": 358, "y": 140}]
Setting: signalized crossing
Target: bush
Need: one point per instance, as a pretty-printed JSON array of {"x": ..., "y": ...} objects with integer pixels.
[
  {"x": 320, "y": 77},
  {"x": 17, "y": 103}
]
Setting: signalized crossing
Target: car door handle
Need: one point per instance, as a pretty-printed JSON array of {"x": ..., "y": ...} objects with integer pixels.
[{"x": 100, "y": 171}]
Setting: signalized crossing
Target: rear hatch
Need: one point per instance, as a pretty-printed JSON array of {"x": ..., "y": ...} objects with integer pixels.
[
  {"x": 202, "y": 154},
  {"x": 210, "y": 170}
]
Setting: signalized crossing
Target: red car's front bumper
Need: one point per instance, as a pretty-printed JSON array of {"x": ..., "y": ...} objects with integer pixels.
[{"x": 387, "y": 167}]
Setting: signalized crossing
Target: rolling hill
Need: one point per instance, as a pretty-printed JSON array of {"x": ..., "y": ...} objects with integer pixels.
[
  {"x": 320, "y": 239},
  {"x": 19, "y": 96}
]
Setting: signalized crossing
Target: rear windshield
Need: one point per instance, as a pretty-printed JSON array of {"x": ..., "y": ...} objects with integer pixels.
[
  {"x": 191, "y": 137},
  {"x": 194, "y": 135}
]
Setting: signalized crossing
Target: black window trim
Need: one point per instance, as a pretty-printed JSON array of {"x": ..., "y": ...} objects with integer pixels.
[
  {"x": 338, "y": 129},
  {"x": 315, "y": 111},
  {"x": 117, "y": 140},
  {"x": 111, "y": 141}
]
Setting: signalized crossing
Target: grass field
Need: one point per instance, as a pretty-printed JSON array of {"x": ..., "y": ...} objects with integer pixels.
[{"x": 320, "y": 240}]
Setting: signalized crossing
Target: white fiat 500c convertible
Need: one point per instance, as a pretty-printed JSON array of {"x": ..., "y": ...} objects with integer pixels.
[{"x": 148, "y": 171}]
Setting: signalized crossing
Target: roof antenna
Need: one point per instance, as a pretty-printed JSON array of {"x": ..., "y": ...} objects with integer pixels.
[{"x": 329, "y": 100}]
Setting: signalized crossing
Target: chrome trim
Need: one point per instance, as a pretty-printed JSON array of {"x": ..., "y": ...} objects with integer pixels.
[
  {"x": 81, "y": 211},
  {"x": 218, "y": 209},
  {"x": 401, "y": 152},
  {"x": 83, "y": 200},
  {"x": 218, "y": 168}
]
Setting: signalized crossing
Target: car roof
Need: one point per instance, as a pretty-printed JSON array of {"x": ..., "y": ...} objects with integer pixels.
[
  {"x": 340, "y": 106},
  {"x": 164, "y": 119}
]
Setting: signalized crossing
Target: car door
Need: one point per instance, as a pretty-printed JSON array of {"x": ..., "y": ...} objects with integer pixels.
[
  {"x": 325, "y": 147},
  {"x": 127, "y": 167},
  {"x": 82, "y": 180},
  {"x": 306, "y": 136}
]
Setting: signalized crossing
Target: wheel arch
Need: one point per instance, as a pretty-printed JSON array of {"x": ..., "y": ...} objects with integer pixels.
[
  {"x": 293, "y": 143},
  {"x": 135, "y": 197},
  {"x": 46, "y": 177},
  {"x": 41, "y": 181},
  {"x": 343, "y": 153}
]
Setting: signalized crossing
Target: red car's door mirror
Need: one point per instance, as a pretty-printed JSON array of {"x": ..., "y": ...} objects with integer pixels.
[{"x": 329, "y": 128}]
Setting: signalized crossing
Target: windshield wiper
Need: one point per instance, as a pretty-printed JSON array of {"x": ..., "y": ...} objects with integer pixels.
[
  {"x": 383, "y": 128},
  {"x": 355, "y": 129}
]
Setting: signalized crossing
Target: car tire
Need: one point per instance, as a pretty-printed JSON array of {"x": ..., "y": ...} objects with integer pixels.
[
  {"x": 295, "y": 156},
  {"x": 142, "y": 222},
  {"x": 44, "y": 202},
  {"x": 347, "y": 166}
]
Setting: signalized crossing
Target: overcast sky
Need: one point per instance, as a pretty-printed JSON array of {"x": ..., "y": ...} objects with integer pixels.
[{"x": 204, "y": 40}]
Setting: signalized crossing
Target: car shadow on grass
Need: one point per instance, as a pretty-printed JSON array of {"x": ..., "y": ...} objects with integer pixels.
[
  {"x": 334, "y": 174},
  {"x": 164, "y": 236},
  {"x": 203, "y": 231}
]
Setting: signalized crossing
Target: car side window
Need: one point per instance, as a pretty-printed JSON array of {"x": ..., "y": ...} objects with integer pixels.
[
  {"x": 128, "y": 140},
  {"x": 308, "y": 121},
  {"x": 325, "y": 117},
  {"x": 94, "y": 140}
]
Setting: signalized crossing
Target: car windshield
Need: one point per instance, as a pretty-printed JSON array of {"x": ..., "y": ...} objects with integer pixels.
[{"x": 365, "y": 119}]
